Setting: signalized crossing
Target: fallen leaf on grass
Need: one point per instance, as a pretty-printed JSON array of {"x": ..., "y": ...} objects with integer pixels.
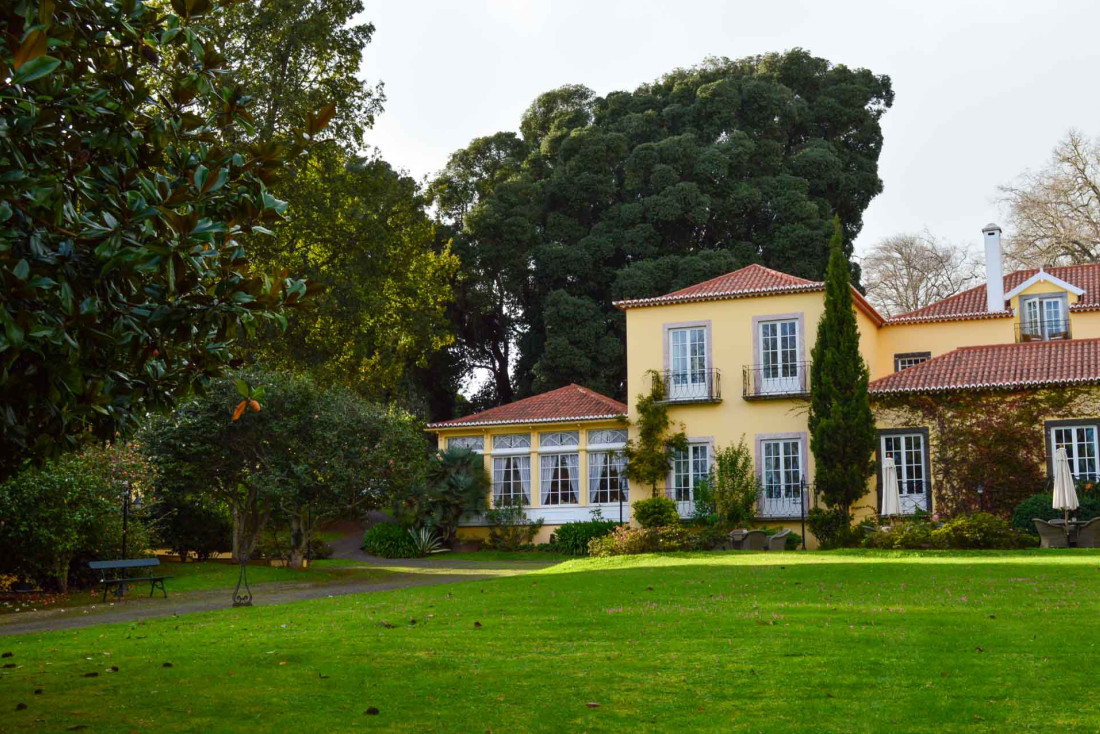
[
  {"x": 9, "y": 665},
  {"x": 372, "y": 711},
  {"x": 91, "y": 675},
  {"x": 38, "y": 691},
  {"x": 322, "y": 676},
  {"x": 477, "y": 625},
  {"x": 167, "y": 665},
  {"x": 387, "y": 625},
  {"x": 7, "y": 655},
  {"x": 592, "y": 705},
  {"x": 20, "y": 706},
  {"x": 77, "y": 727}
]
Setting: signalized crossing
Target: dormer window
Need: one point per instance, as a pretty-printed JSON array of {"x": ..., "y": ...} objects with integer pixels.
[{"x": 1044, "y": 317}]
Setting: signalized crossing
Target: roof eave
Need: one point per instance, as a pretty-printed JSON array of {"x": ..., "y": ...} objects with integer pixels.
[{"x": 527, "y": 421}]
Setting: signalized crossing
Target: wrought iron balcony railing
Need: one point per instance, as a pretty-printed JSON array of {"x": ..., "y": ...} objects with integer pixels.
[
  {"x": 1042, "y": 330},
  {"x": 789, "y": 379},
  {"x": 691, "y": 386}
]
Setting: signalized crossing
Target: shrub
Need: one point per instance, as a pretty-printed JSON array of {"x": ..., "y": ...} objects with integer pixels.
[
  {"x": 832, "y": 527},
  {"x": 457, "y": 485},
  {"x": 510, "y": 529},
  {"x": 426, "y": 541},
  {"x": 794, "y": 542},
  {"x": 389, "y": 540},
  {"x": 274, "y": 546},
  {"x": 656, "y": 512},
  {"x": 911, "y": 534},
  {"x": 573, "y": 538},
  {"x": 1039, "y": 506},
  {"x": 58, "y": 517},
  {"x": 192, "y": 524},
  {"x": 622, "y": 541},
  {"x": 711, "y": 537},
  {"x": 735, "y": 484},
  {"x": 672, "y": 538},
  {"x": 980, "y": 530}
]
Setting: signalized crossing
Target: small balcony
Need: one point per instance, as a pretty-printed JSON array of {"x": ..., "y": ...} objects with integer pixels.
[
  {"x": 691, "y": 386},
  {"x": 1042, "y": 330},
  {"x": 771, "y": 381}
]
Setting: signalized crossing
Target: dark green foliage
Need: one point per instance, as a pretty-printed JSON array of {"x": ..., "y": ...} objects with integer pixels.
[
  {"x": 457, "y": 484},
  {"x": 190, "y": 523},
  {"x": 656, "y": 512},
  {"x": 794, "y": 542},
  {"x": 57, "y": 517},
  {"x": 980, "y": 530},
  {"x": 389, "y": 540},
  {"x": 634, "y": 194},
  {"x": 509, "y": 527},
  {"x": 123, "y": 219},
  {"x": 649, "y": 456},
  {"x": 842, "y": 427},
  {"x": 572, "y": 538},
  {"x": 1039, "y": 506},
  {"x": 832, "y": 527},
  {"x": 912, "y": 534},
  {"x": 624, "y": 541},
  {"x": 735, "y": 486},
  {"x": 308, "y": 455}
]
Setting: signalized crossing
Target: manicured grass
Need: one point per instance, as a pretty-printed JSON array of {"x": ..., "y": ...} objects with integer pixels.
[
  {"x": 208, "y": 575},
  {"x": 490, "y": 555},
  {"x": 855, "y": 641}
]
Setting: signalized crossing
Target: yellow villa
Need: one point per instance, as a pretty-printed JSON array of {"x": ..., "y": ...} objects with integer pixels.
[{"x": 734, "y": 355}]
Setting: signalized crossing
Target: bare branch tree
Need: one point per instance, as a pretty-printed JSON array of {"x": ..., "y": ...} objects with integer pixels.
[
  {"x": 1054, "y": 213},
  {"x": 911, "y": 270}
]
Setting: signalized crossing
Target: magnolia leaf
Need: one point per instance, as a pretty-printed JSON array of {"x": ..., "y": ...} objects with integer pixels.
[
  {"x": 35, "y": 69},
  {"x": 33, "y": 47},
  {"x": 21, "y": 270},
  {"x": 254, "y": 405},
  {"x": 242, "y": 388},
  {"x": 239, "y": 410}
]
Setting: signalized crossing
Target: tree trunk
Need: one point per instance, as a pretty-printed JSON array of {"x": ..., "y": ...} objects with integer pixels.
[
  {"x": 236, "y": 535},
  {"x": 63, "y": 573},
  {"x": 300, "y": 535}
]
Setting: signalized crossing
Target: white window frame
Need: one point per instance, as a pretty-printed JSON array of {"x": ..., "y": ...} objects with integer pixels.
[
  {"x": 511, "y": 443},
  {"x": 550, "y": 495},
  {"x": 602, "y": 439},
  {"x": 1038, "y": 321},
  {"x": 690, "y": 461},
  {"x": 788, "y": 369},
  {"x": 558, "y": 441},
  {"x": 598, "y": 461},
  {"x": 911, "y": 500},
  {"x": 508, "y": 472},
  {"x": 910, "y": 359},
  {"x": 782, "y": 497},
  {"x": 689, "y": 379},
  {"x": 1078, "y": 463},
  {"x": 458, "y": 441}
]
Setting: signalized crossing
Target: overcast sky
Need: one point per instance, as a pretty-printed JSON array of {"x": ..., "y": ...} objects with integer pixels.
[{"x": 983, "y": 90}]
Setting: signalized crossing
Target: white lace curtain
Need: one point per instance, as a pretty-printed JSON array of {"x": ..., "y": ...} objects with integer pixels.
[{"x": 560, "y": 479}]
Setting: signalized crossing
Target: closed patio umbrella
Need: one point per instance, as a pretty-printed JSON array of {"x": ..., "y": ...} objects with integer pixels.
[
  {"x": 891, "y": 497},
  {"x": 1065, "y": 495}
]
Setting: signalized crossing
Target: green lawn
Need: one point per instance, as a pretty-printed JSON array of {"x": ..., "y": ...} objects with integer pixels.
[
  {"x": 492, "y": 555},
  {"x": 842, "y": 641},
  {"x": 207, "y": 576}
]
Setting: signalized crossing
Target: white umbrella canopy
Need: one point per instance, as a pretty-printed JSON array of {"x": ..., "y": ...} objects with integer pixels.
[
  {"x": 1065, "y": 495},
  {"x": 891, "y": 496}
]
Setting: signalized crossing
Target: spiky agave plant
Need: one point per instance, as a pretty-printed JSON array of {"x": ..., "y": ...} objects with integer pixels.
[{"x": 426, "y": 541}]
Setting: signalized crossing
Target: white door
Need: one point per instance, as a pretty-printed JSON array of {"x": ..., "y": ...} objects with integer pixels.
[
  {"x": 907, "y": 451},
  {"x": 782, "y": 478},
  {"x": 1054, "y": 323},
  {"x": 780, "y": 372},
  {"x": 688, "y": 364}
]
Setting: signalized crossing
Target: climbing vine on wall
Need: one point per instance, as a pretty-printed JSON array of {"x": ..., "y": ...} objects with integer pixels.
[{"x": 995, "y": 439}]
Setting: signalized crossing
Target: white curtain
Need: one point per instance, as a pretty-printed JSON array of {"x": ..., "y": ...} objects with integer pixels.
[
  {"x": 595, "y": 465},
  {"x": 547, "y": 475},
  {"x": 618, "y": 460},
  {"x": 572, "y": 464},
  {"x": 525, "y": 477}
]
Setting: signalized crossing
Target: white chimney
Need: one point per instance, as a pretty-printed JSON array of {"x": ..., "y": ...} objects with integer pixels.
[{"x": 994, "y": 276}]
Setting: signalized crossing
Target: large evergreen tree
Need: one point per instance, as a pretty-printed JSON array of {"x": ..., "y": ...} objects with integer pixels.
[
  {"x": 842, "y": 427},
  {"x": 637, "y": 193}
]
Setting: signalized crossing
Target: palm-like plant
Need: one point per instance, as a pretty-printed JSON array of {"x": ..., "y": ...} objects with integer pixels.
[{"x": 426, "y": 541}]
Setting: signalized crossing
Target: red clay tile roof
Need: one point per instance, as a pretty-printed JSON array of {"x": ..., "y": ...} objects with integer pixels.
[
  {"x": 1000, "y": 367},
  {"x": 749, "y": 281},
  {"x": 752, "y": 280},
  {"x": 569, "y": 403},
  {"x": 971, "y": 304}
]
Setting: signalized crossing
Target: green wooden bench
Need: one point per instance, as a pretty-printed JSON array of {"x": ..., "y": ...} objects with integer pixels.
[{"x": 120, "y": 581}]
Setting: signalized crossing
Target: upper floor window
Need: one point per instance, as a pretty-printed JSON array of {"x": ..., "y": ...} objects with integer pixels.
[
  {"x": 1043, "y": 318},
  {"x": 779, "y": 364},
  {"x": 559, "y": 440},
  {"x": 474, "y": 443},
  {"x": 910, "y": 359},
  {"x": 687, "y": 352},
  {"x": 512, "y": 442}
]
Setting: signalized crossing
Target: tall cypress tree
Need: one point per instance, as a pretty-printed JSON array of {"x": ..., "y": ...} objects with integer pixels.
[{"x": 842, "y": 427}]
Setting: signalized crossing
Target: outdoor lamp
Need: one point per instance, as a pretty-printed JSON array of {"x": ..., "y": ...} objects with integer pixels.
[{"x": 981, "y": 492}]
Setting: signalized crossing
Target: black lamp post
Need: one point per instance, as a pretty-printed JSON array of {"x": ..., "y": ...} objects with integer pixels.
[
  {"x": 981, "y": 497},
  {"x": 245, "y": 599},
  {"x": 802, "y": 499}
]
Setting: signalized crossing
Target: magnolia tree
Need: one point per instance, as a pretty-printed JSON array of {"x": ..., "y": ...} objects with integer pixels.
[
  {"x": 124, "y": 201},
  {"x": 277, "y": 448}
]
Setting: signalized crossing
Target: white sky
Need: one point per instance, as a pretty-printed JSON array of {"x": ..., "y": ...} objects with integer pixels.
[{"x": 983, "y": 90}]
